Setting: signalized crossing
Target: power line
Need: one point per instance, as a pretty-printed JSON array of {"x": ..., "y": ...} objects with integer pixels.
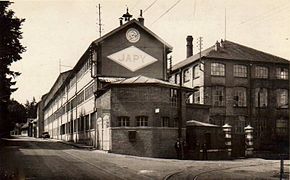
[
  {"x": 194, "y": 8},
  {"x": 166, "y": 11},
  {"x": 263, "y": 16},
  {"x": 150, "y": 6}
]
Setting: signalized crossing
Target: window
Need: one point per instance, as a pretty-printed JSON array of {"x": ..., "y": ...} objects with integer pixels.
[
  {"x": 68, "y": 129},
  {"x": 142, "y": 121},
  {"x": 177, "y": 78},
  {"x": 93, "y": 121},
  {"x": 196, "y": 71},
  {"x": 75, "y": 125},
  {"x": 196, "y": 97},
  {"x": 89, "y": 91},
  {"x": 218, "y": 96},
  {"x": 281, "y": 73},
  {"x": 73, "y": 102},
  {"x": 173, "y": 97},
  {"x": 165, "y": 122},
  {"x": 80, "y": 97},
  {"x": 240, "y": 71},
  {"x": 217, "y": 69},
  {"x": 261, "y": 97},
  {"x": 240, "y": 97},
  {"x": 261, "y": 72},
  {"x": 282, "y": 98},
  {"x": 123, "y": 121},
  {"x": 62, "y": 129},
  {"x": 87, "y": 121},
  {"x": 186, "y": 75},
  {"x": 281, "y": 127}
]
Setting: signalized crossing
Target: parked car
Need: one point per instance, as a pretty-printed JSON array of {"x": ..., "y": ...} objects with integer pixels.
[{"x": 45, "y": 135}]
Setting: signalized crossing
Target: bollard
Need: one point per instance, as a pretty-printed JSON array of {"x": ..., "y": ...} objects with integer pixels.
[
  {"x": 249, "y": 141},
  {"x": 227, "y": 129}
]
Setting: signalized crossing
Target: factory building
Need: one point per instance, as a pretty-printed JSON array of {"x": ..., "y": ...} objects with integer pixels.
[
  {"x": 242, "y": 86},
  {"x": 117, "y": 97}
]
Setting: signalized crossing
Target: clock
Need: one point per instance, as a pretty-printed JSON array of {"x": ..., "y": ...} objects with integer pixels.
[{"x": 133, "y": 35}]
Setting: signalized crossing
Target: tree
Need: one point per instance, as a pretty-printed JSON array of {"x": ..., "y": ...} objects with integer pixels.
[
  {"x": 31, "y": 108},
  {"x": 10, "y": 50}
]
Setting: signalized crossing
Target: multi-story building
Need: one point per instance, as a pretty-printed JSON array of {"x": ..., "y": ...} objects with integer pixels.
[
  {"x": 242, "y": 86},
  {"x": 117, "y": 98}
]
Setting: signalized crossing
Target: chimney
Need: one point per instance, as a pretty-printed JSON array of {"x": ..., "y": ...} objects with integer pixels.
[
  {"x": 140, "y": 18},
  {"x": 121, "y": 21},
  {"x": 217, "y": 46},
  {"x": 222, "y": 43},
  {"x": 189, "y": 46}
]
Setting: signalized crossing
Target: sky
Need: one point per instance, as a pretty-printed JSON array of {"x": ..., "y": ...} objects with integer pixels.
[{"x": 59, "y": 32}]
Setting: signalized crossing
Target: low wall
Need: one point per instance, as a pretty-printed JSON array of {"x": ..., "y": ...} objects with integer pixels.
[{"x": 149, "y": 142}]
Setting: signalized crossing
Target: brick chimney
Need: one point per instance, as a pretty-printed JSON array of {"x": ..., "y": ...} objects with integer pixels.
[
  {"x": 189, "y": 46},
  {"x": 140, "y": 18}
]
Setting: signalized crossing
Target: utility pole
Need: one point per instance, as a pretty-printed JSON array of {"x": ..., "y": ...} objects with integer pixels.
[
  {"x": 180, "y": 139},
  {"x": 100, "y": 20},
  {"x": 199, "y": 46},
  {"x": 225, "y": 23}
]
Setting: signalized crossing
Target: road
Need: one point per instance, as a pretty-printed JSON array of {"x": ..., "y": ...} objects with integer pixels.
[
  {"x": 22, "y": 158},
  {"x": 31, "y": 158}
]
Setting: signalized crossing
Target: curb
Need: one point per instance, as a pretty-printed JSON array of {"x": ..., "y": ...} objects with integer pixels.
[{"x": 80, "y": 146}]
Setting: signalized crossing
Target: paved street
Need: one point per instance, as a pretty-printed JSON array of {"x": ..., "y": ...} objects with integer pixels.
[{"x": 30, "y": 158}]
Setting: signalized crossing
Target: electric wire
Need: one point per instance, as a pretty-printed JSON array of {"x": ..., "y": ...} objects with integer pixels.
[
  {"x": 264, "y": 16},
  {"x": 166, "y": 11},
  {"x": 150, "y": 5}
]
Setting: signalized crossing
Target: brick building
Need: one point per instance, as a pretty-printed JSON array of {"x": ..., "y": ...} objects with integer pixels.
[
  {"x": 116, "y": 97},
  {"x": 242, "y": 86}
]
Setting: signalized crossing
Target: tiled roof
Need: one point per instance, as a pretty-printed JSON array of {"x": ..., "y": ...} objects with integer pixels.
[
  {"x": 232, "y": 51},
  {"x": 143, "y": 80}
]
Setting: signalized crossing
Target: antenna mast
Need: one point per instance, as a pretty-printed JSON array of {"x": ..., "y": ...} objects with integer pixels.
[
  {"x": 225, "y": 23},
  {"x": 100, "y": 20}
]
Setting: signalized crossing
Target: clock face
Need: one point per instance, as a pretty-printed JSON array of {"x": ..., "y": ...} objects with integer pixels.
[{"x": 133, "y": 35}]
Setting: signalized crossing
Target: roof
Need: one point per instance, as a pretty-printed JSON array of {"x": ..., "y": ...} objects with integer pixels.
[
  {"x": 198, "y": 123},
  {"x": 143, "y": 80},
  {"x": 109, "y": 79},
  {"x": 127, "y": 24},
  {"x": 232, "y": 51},
  {"x": 61, "y": 78}
]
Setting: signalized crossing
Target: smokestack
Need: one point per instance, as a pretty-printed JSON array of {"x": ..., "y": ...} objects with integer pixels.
[
  {"x": 140, "y": 18},
  {"x": 189, "y": 46}
]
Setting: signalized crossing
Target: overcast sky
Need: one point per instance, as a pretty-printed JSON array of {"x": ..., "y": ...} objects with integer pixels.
[{"x": 62, "y": 30}]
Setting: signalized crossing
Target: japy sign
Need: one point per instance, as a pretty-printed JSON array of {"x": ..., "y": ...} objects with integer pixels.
[{"x": 132, "y": 58}]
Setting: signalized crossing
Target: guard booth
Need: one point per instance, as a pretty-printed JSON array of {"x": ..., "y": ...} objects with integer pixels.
[{"x": 204, "y": 141}]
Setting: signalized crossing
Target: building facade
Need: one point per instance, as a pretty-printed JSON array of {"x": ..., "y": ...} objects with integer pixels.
[
  {"x": 243, "y": 86},
  {"x": 116, "y": 97}
]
